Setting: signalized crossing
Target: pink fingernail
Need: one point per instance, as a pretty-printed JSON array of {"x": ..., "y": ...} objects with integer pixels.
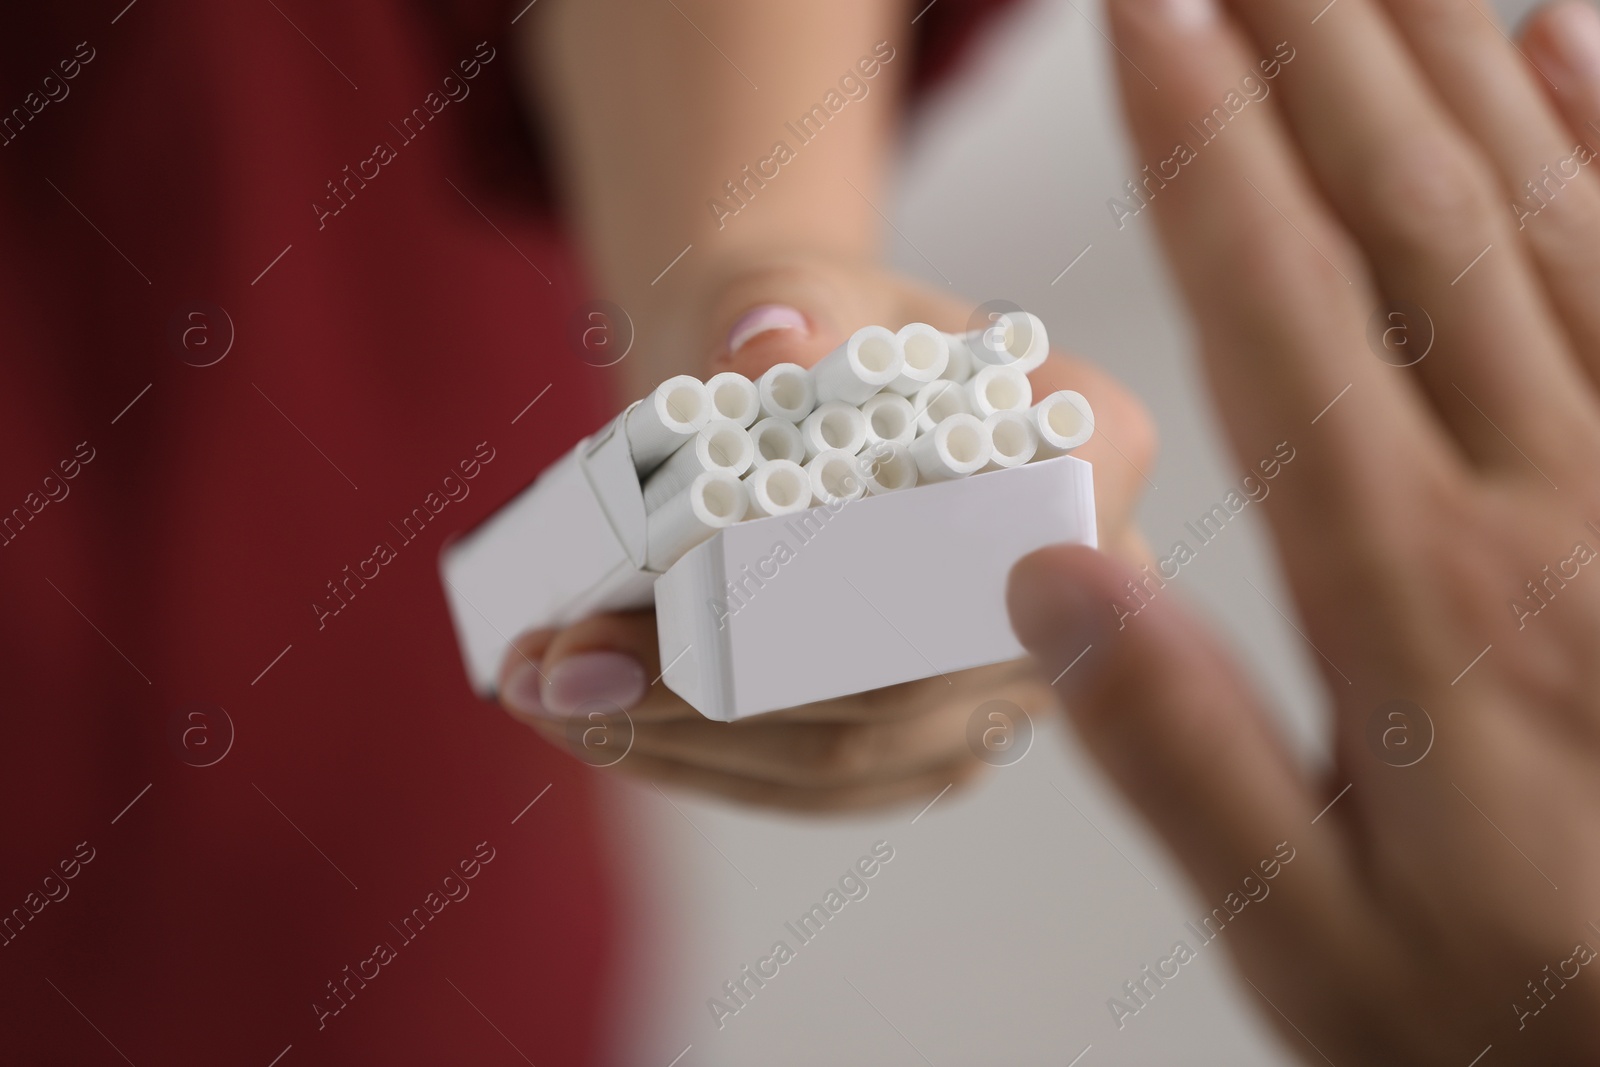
[
  {"x": 1181, "y": 16},
  {"x": 759, "y": 320},
  {"x": 1190, "y": 14},
  {"x": 1575, "y": 35},
  {"x": 590, "y": 679}
]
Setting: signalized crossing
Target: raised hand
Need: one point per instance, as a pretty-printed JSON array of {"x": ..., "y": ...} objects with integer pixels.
[{"x": 1387, "y": 228}]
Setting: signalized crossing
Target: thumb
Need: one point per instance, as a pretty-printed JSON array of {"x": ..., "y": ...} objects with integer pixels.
[
  {"x": 794, "y": 313},
  {"x": 1163, "y": 710}
]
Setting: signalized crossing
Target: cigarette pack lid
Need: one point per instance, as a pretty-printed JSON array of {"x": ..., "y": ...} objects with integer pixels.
[{"x": 570, "y": 545}]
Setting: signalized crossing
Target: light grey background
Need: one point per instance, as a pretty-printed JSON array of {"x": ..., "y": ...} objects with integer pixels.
[{"x": 1007, "y": 918}]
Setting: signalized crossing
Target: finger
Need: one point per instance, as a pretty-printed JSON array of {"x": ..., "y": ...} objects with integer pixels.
[
  {"x": 750, "y": 792},
  {"x": 1563, "y": 42},
  {"x": 1123, "y": 448},
  {"x": 790, "y": 314},
  {"x": 605, "y": 664},
  {"x": 609, "y": 664},
  {"x": 1428, "y": 208},
  {"x": 1278, "y": 289},
  {"x": 1167, "y": 715},
  {"x": 1503, "y": 103},
  {"x": 810, "y": 754},
  {"x": 910, "y": 700}
]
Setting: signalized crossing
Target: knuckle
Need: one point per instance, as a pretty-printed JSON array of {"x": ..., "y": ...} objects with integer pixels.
[
  {"x": 1386, "y": 545},
  {"x": 1441, "y": 17},
  {"x": 1419, "y": 188},
  {"x": 1561, "y": 229},
  {"x": 1466, "y": 566},
  {"x": 1447, "y": 503},
  {"x": 1461, "y": 580},
  {"x": 1268, "y": 257}
]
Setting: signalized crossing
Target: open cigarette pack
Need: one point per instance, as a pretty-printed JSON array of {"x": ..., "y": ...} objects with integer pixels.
[{"x": 805, "y": 536}]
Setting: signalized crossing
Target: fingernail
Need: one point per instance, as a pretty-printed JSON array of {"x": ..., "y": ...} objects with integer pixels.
[
  {"x": 1573, "y": 45},
  {"x": 767, "y": 317},
  {"x": 520, "y": 692},
  {"x": 1190, "y": 14},
  {"x": 593, "y": 678},
  {"x": 1184, "y": 15}
]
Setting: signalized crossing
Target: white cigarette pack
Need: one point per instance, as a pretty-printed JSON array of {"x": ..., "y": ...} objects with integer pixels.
[{"x": 773, "y": 612}]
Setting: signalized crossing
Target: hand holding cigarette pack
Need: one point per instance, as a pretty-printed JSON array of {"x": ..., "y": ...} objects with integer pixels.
[{"x": 804, "y": 536}]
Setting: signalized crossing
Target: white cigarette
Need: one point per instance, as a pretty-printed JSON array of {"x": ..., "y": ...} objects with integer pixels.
[
  {"x": 927, "y": 354},
  {"x": 999, "y": 388},
  {"x": 1034, "y": 340},
  {"x": 863, "y": 365},
  {"x": 959, "y": 366},
  {"x": 777, "y": 438},
  {"x": 1015, "y": 339},
  {"x": 665, "y": 419},
  {"x": 1015, "y": 439},
  {"x": 957, "y": 447},
  {"x": 937, "y": 401},
  {"x": 890, "y": 417},
  {"x": 834, "y": 477},
  {"x": 722, "y": 445},
  {"x": 713, "y": 501},
  {"x": 886, "y": 467},
  {"x": 734, "y": 397},
  {"x": 1064, "y": 421},
  {"x": 787, "y": 392},
  {"x": 779, "y": 487},
  {"x": 834, "y": 425}
]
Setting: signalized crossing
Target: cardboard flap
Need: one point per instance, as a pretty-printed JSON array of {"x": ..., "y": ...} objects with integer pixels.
[{"x": 607, "y": 463}]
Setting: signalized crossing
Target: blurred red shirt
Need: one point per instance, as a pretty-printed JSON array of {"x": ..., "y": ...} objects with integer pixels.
[{"x": 282, "y": 310}]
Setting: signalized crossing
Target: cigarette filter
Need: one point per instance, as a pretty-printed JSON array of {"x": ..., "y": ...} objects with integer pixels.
[
  {"x": 1015, "y": 439},
  {"x": 834, "y": 424},
  {"x": 713, "y": 501},
  {"x": 834, "y": 477},
  {"x": 890, "y": 417},
  {"x": 777, "y": 438},
  {"x": 722, "y": 445},
  {"x": 1064, "y": 421},
  {"x": 786, "y": 392},
  {"x": 886, "y": 467},
  {"x": 998, "y": 388},
  {"x": 734, "y": 397},
  {"x": 863, "y": 365},
  {"x": 937, "y": 401},
  {"x": 927, "y": 354},
  {"x": 957, "y": 447},
  {"x": 664, "y": 420},
  {"x": 777, "y": 487}
]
